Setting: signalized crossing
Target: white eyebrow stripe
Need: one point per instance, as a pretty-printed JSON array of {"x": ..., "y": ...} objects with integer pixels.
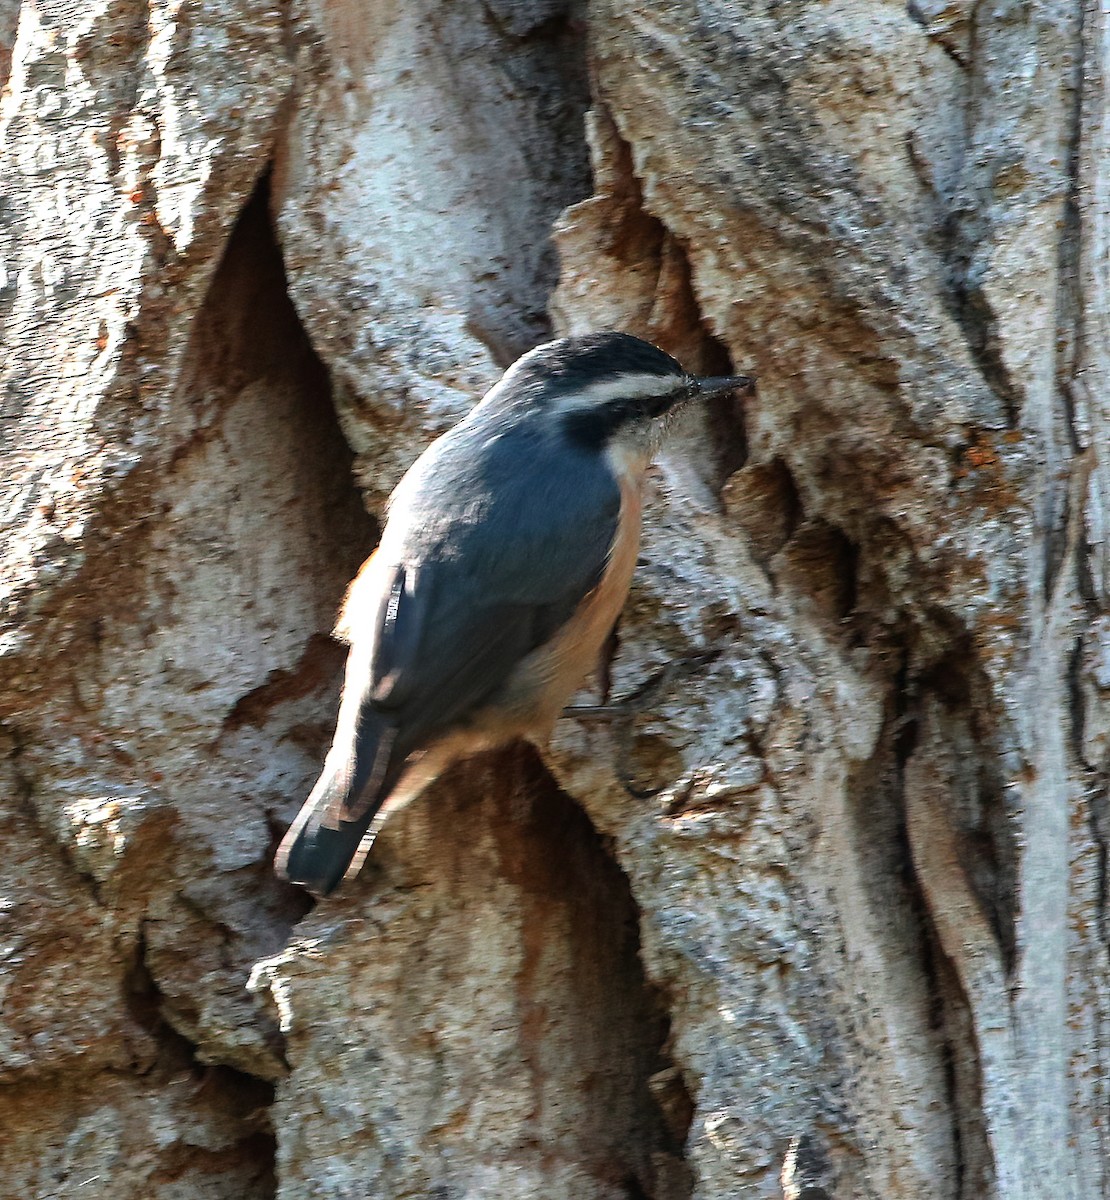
[{"x": 624, "y": 387}]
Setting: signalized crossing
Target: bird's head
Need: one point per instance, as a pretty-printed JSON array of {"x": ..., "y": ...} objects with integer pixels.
[{"x": 605, "y": 390}]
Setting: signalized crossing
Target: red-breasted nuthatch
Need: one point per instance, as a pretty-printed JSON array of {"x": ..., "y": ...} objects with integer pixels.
[{"x": 503, "y": 566}]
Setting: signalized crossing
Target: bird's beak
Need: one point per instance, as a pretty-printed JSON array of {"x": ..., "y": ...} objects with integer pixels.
[{"x": 720, "y": 385}]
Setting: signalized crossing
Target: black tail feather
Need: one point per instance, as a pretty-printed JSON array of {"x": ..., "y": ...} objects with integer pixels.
[
  {"x": 356, "y": 781},
  {"x": 317, "y": 856}
]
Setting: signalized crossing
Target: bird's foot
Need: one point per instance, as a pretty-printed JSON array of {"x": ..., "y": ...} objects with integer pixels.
[
  {"x": 646, "y": 695},
  {"x": 623, "y": 712}
]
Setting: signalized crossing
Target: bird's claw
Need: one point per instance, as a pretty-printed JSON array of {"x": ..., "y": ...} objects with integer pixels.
[
  {"x": 643, "y": 697},
  {"x": 624, "y": 711}
]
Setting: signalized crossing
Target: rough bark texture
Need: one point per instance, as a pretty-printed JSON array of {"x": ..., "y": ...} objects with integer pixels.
[{"x": 827, "y": 917}]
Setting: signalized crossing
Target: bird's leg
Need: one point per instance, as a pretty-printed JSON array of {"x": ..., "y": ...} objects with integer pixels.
[
  {"x": 604, "y": 670},
  {"x": 643, "y": 697},
  {"x": 609, "y": 652},
  {"x": 622, "y": 712},
  {"x": 596, "y": 712}
]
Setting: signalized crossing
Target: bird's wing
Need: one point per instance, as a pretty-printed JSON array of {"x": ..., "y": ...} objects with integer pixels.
[{"x": 497, "y": 580}]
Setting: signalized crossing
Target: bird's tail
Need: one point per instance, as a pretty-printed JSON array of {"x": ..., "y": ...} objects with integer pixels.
[{"x": 324, "y": 840}]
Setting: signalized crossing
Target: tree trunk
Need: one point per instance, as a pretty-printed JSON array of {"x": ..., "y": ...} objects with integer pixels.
[{"x": 826, "y": 917}]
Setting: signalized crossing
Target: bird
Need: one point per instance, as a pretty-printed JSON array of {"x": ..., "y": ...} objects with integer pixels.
[{"x": 504, "y": 562}]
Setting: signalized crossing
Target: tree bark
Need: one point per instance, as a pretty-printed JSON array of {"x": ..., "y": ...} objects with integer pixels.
[{"x": 826, "y": 916}]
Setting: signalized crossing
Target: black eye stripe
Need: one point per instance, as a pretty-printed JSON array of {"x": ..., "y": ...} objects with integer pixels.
[
  {"x": 650, "y": 406},
  {"x": 594, "y": 425},
  {"x": 656, "y": 406}
]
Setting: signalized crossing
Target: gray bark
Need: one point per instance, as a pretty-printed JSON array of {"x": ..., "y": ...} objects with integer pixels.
[{"x": 252, "y": 258}]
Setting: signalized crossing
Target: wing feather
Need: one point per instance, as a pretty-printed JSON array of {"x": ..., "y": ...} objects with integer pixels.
[{"x": 511, "y": 548}]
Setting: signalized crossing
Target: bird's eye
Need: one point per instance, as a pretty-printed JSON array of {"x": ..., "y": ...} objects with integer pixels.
[{"x": 655, "y": 406}]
